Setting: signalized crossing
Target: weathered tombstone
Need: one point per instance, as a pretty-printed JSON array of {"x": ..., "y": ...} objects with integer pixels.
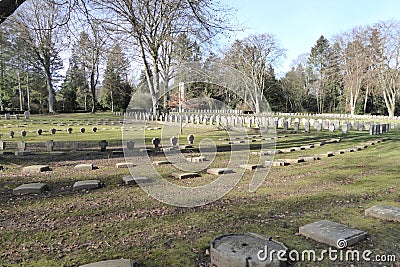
[
  {"x": 331, "y": 127},
  {"x": 94, "y": 129},
  {"x": 240, "y": 250},
  {"x": 378, "y": 129},
  {"x": 185, "y": 175},
  {"x": 111, "y": 263},
  {"x": 85, "y": 167},
  {"x": 31, "y": 188},
  {"x": 11, "y": 134},
  {"x": 103, "y": 145},
  {"x": 17, "y": 116},
  {"x": 217, "y": 171},
  {"x": 2, "y": 145},
  {"x": 296, "y": 126},
  {"x": 190, "y": 139},
  {"x": 174, "y": 140},
  {"x": 36, "y": 169},
  {"x": 285, "y": 125},
  {"x": 333, "y": 234},
  {"x": 130, "y": 145},
  {"x": 307, "y": 126},
  {"x": 69, "y": 130},
  {"x": 318, "y": 126},
  {"x": 7, "y": 116},
  {"x": 49, "y": 145},
  {"x": 23, "y": 133},
  {"x": 345, "y": 128},
  {"x": 53, "y": 130},
  {"x": 384, "y": 212},
  {"x": 21, "y": 146},
  {"x": 86, "y": 185},
  {"x": 39, "y": 131},
  {"x": 27, "y": 114},
  {"x": 372, "y": 129},
  {"x": 82, "y": 130},
  {"x": 124, "y": 165},
  {"x": 156, "y": 142}
]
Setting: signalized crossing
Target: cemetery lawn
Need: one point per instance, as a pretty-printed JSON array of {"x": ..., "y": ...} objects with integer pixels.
[{"x": 66, "y": 228}]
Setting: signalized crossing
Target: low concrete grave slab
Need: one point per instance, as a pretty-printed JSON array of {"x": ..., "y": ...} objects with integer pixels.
[
  {"x": 185, "y": 175},
  {"x": 185, "y": 146},
  {"x": 309, "y": 158},
  {"x": 124, "y": 165},
  {"x": 111, "y": 263},
  {"x": 32, "y": 188},
  {"x": 23, "y": 153},
  {"x": 85, "y": 167},
  {"x": 251, "y": 166},
  {"x": 384, "y": 212},
  {"x": 327, "y": 154},
  {"x": 161, "y": 162},
  {"x": 332, "y": 233},
  {"x": 294, "y": 161},
  {"x": 275, "y": 163},
  {"x": 130, "y": 180},
  {"x": 240, "y": 250},
  {"x": 196, "y": 159},
  {"x": 217, "y": 171},
  {"x": 36, "y": 169},
  {"x": 266, "y": 152},
  {"x": 86, "y": 185}
]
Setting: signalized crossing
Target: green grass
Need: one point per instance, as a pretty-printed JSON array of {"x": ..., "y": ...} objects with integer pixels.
[{"x": 65, "y": 228}]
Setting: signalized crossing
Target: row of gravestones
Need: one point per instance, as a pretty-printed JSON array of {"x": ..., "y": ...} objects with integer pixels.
[
  {"x": 69, "y": 130},
  {"x": 17, "y": 116},
  {"x": 21, "y": 146},
  {"x": 274, "y": 122}
]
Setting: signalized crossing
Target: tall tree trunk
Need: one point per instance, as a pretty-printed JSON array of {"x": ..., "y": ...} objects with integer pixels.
[
  {"x": 21, "y": 104},
  {"x": 93, "y": 90},
  {"x": 50, "y": 90},
  {"x": 28, "y": 97}
]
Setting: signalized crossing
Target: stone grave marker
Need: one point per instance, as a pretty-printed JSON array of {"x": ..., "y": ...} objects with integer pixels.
[
  {"x": 111, "y": 263},
  {"x": 130, "y": 180},
  {"x": 174, "y": 140},
  {"x": 130, "y": 145},
  {"x": 31, "y": 188},
  {"x": 217, "y": 171},
  {"x": 296, "y": 126},
  {"x": 86, "y": 185},
  {"x": 103, "y": 145},
  {"x": 162, "y": 162},
  {"x": 345, "y": 127},
  {"x": 332, "y": 233},
  {"x": 124, "y": 165},
  {"x": 23, "y": 133},
  {"x": 11, "y": 134},
  {"x": 196, "y": 159},
  {"x": 156, "y": 142},
  {"x": 185, "y": 175},
  {"x": 84, "y": 167},
  {"x": 2, "y": 145},
  {"x": 7, "y": 116},
  {"x": 384, "y": 212},
  {"x": 27, "y": 114},
  {"x": 94, "y": 129},
  {"x": 49, "y": 145},
  {"x": 69, "y": 130},
  {"x": 307, "y": 126},
  {"x": 39, "y": 131},
  {"x": 250, "y": 249},
  {"x": 36, "y": 169},
  {"x": 190, "y": 139},
  {"x": 251, "y": 166},
  {"x": 82, "y": 130}
]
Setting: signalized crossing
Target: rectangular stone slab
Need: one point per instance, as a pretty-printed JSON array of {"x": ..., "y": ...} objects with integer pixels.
[
  {"x": 185, "y": 175},
  {"x": 23, "y": 153},
  {"x": 110, "y": 263},
  {"x": 84, "y": 167},
  {"x": 251, "y": 166},
  {"x": 129, "y": 180},
  {"x": 161, "y": 162},
  {"x": 86, "y": 185},
  {"x": 36, "y": 169},
  {"x": 331, "y": 233},
  {"x": 32, "y": 188},
  {"x": 124, "y": 165},
  {"x": 384, "y": 212},
  {"x": 217, "y": 171}
]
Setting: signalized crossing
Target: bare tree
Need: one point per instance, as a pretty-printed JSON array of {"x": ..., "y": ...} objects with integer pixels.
[
  {"x": 354, "y": 58},
  {"x": 253, "y": 56},
  {"x": 41, "y": 25},
  {"x": 152, "y": 24},
  {"x": 387, "y": 65}
]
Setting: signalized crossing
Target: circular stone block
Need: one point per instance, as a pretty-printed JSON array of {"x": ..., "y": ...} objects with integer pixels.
[{"x": 242, "y": 250}]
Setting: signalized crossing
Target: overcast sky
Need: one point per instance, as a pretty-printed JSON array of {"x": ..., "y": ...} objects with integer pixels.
[{"x": 297, "y": 24}]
